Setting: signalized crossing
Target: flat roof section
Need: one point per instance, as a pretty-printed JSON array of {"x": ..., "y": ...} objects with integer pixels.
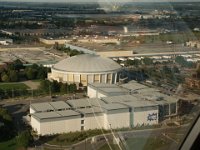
[
  {"x": 68, "y": 113},
  {"x": 79, "y": 103},
  {"x": 91, "y": 110},
  {"x": 158, "y": 98},
  {"x": 118, "y": 99},
  {"x": 113, "y": 91},
  {"x": 134, "y": 86},
  {"x": 59, "y": 105},
  {"x": 128, "y": 100},
  {"x": 55, "y": 114},
  {"x": 46, "y": 115},
  {"x": 147, "y": 90},
  {"x": 139, "y": 103},
  {"x": 114, "y": 106},
  {"x": 87, "y": 102},
  {"x": 102, "y": 85},
  {"x": 40, "y": 107}
]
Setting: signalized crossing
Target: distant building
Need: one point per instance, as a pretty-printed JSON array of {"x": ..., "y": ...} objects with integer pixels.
[
  {"x": 6, "y": 41},
  {"x": 85, "y": 68},
  {"x": 192, "y": 83},
  {"x": 195, "y": 44}
]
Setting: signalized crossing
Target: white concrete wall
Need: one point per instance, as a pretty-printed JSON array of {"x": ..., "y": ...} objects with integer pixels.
[
  {"x": 91, "y": 92},
  {"x": 32, "y": 111},
  {"x": 94, "y": 121},
  {"x": 35, "y": 124},
  {"x": 60, "y": 125},
  {"x": 140, "y": 118},
  {"x": 117, "y": 119}
]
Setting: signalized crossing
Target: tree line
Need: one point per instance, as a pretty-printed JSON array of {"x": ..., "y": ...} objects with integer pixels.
[
  {"x": 16, "y": 71},
  {"x": 46, "y": 88},
  {"x": 68, "y": 50},
  {"x": 57, "y": 87}
]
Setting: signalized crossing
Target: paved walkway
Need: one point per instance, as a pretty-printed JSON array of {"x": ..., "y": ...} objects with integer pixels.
[{"x": 33, "y": 85}]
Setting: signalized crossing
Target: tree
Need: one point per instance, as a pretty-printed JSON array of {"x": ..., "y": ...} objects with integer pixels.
[
  {"x": 44, "y": 85},
  {"x": 198, "y": 73},
  {"x": 30, "y": 73},
  {"x": 64, "y": 88},
  {"x": 13, "y": 77},
  {"x": 55, "y": 86},
  {"x": 147, "y": 61},
  {"x": 18, "y": 64},
  {"x": 24, "y": 138},
  {"x": 5, "y": 77},
  {"x": 7, "y": 130},
  {"x": 72, "y": 88},
  {"x": 41, "y": 73},
  {"x": 180, "y": 60},
  {"x": 166, "y": 70},
  {"x": 176, "y": 70}
]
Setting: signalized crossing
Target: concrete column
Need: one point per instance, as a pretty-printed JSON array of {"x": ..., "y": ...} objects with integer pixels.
[
  {"x": 93, "y": 78},
  {"x": 99, "y": 78},
  {"x": 111, "y": 78},
  {"x": 169, "y": 109},
  {"x": 106, "y": 78},
  {"x": 176, "y": 108},
  {"x": 115, "y": 78},
  {"x": 73, "y": 78}
]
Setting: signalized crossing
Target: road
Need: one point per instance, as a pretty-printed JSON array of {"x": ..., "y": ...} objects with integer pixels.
[{"x": 124, "y": 136}]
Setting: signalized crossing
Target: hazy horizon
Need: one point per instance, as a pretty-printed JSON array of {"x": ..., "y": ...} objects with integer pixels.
[{"x": 97, "y": 1}]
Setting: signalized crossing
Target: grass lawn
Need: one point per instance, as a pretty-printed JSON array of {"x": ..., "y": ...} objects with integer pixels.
[
  {"x": 73, "y": 137},
  {"x": 10, "y": 86},
  {"x": 106, "y": 147},
  {"x": 10, "y": 145},
  {"x": 147, "y": 143}
]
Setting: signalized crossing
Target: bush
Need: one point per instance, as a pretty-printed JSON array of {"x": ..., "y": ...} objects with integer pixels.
[{"x": 24, "y": 138}]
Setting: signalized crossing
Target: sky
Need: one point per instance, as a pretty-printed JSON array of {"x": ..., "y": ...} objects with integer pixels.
[{"x": 100, "y": 1}]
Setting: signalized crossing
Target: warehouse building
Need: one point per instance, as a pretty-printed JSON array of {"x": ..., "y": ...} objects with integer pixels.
[
  {"x": 48, "y": 107},
  {"x": 84, "y": 114},
  {"x": 86, "y": 68},
  {"x": 167, "y": 104},
  {"x": 98, "y": 90},
  {"x": 116, "y": 115},
  {"x": 141, "y": 112},
  {"x": 117, "y": 106},
  {"x": 54, "y": 122}
]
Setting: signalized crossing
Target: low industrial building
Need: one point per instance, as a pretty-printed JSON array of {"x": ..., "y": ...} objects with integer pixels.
[
  {"x": 86, "y": 68},
  {"x": 98, "y": 90},
  {"x": 112, "y": 107},
  {"x": 86, "y": 114},
  {"x": 167, "y": 104},
  {"x": 55, "y": 122}
]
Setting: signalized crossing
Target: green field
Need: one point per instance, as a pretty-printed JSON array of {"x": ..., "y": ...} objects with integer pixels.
[
  {"x": 147, "y": 143},
  {"x": 141, "y": 143},
  {"x": 9, "y": 145},
  {"x": 73, "y": 137},
  {"x": 106, "y": 147},
  {"x": 10, "y": 86}
]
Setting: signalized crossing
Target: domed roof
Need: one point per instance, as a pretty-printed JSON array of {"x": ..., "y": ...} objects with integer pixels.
[{"x": 87, "y": 63}]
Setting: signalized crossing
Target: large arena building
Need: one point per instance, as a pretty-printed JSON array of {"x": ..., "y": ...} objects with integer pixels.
[{"x": 86, "y": 68}]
